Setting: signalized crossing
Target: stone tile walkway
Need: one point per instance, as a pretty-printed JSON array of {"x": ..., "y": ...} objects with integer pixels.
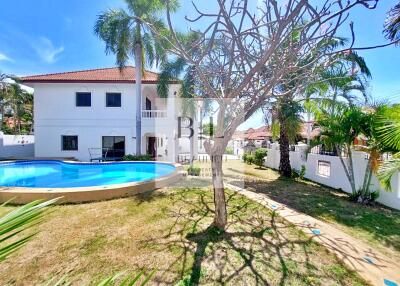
[{"x": 371, "y": 265}]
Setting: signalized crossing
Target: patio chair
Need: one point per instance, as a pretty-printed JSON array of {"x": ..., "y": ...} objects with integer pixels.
[{"x": 98, "y": 154}]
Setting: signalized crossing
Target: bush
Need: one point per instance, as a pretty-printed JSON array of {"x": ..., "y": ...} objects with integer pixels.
[
  {"x": 144, "y": 157},
  {"x": 249, "y": 159},
  {"x": 362, "y": 197},
  {"x": 193, "y": 171},
  {"x": 229, "y": 150},
  {"x": 259, "y": 156},
  {"x": 244, "y": 157}
]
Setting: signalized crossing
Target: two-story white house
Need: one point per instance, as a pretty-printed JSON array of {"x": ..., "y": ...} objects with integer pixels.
[{"x": 84, "y": 114}]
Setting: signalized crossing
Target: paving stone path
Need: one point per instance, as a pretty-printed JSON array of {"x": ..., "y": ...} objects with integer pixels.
[{"x": 373, "y": 266}]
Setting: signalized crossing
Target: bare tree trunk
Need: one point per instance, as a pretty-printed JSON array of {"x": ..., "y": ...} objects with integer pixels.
[
  {"x": 284, "y": 163},
  {"x": 138, "y": 74},
  {"x": 220, "y": 217}
]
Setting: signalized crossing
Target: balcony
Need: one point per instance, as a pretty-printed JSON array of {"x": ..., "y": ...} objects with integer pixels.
[{"x": 154, "y": 113}]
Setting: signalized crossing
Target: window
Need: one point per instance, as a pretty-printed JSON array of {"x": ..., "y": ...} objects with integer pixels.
[
  {"x": 69, "y": 143},
  {"x": 324, "y": 169},
  {"x": 113, "y": 99},
  {"x": 83, "y": 99},
  {"x": 114, "y": 146}
]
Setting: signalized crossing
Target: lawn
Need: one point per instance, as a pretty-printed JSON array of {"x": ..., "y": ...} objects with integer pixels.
[
  {"x": 378, "y": 225},
  {"x": 168, "y": 230}
]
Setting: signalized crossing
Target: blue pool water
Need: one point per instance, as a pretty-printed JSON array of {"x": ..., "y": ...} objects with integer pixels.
[{"x": 57, "y": 174}]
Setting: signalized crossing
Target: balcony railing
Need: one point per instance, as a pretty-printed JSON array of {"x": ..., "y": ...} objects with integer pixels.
[{"x": 154, "y": 113}]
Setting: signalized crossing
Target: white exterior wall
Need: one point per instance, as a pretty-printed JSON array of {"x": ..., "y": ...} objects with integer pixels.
[
  {"x": 56, "y": 114},
  {"x": 337, "y": 178},
  {"x": 16, "y": 146}
]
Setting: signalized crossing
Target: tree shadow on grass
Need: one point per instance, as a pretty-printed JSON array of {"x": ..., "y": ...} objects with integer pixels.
[
  {"x": 258, "y": 248},
  {"x": 332, "y": 205}
]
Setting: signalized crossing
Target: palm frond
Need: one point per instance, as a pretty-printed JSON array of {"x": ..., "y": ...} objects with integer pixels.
[
  {"x": 359, "y": 61},
  {"x": 148, "y": 49},
  {"x": 19, "y": 221},
  {"x": 387, "y": 170},
  {"x": 170, "y": 71},
  {"x": 115, "y": 28},
  {"x": 392, "y": 24},
  {"x": 388, "y": 127}
]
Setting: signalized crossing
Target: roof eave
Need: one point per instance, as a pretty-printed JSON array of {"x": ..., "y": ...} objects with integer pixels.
[{"x": 28, "y": 81}]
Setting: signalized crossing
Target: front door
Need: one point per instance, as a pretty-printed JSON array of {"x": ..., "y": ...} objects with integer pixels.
[{"x": 151, "y": 146}]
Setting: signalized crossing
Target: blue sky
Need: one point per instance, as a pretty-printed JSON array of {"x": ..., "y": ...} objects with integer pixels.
[{"x": 45, "y": 36}]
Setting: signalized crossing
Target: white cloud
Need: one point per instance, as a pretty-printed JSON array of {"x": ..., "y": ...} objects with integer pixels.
[
  {"x": 46, "y": 50},
  {"x": 3, "y": 57}
]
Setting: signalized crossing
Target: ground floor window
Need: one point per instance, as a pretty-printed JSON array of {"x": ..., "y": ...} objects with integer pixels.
[
  {"x": 113, "y": 146},
  {"x": 69, "y": 143}
]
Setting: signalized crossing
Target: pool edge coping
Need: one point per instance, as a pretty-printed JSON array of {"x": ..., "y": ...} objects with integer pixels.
[{"x": 22, "y": 195}]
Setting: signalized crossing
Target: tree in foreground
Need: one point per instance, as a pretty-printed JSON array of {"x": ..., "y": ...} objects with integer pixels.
[
  {"x": 125, "y": 34},
  {"x": 236, "y": 61}
]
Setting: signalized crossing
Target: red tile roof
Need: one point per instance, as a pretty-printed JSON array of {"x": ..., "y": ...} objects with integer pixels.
[
  {"x": 253, "y": 133},
  {"x": 264, "y": 132},
  {"x": 114, "y": 75}
]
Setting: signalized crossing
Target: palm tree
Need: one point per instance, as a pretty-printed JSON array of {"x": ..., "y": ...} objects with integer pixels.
[
  {"x": 20, "y": 102},
  {"x": 286, "y": 122},
  {"x": 339, "y": 131},
  {"x": 392, "y": 24},
  {"x": 125, "y": 34},
  {"x": 3, "y": 95}
]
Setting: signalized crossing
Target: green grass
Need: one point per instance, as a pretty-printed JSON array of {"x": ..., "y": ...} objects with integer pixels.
[
  {"x": 378, "y": 225},
  {"x": 169, "y": 230}
]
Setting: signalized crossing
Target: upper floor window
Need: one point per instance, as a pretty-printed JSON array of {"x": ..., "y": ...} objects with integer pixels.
[
  {"x": 83, "y": 99},
  {"x": 69, "y": 143},
  {"x": 113, "y": 99}
]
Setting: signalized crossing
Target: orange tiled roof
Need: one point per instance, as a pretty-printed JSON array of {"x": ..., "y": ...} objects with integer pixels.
[
  {"x": 264, "y": 132},
  {"x": 126, "y": 75}
]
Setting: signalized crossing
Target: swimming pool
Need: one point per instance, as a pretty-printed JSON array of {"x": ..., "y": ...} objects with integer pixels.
[{"x": 58, "y": 174}]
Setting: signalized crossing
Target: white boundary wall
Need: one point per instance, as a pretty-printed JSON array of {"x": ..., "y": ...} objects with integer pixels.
[
  {"x": 337, "y": 178},
  {"x": 16, "y": 146}
]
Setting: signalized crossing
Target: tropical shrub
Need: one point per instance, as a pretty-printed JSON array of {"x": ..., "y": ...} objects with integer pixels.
[
  {"x": 363, "y": 197},
  {"x": 244, "y": 157},
  {"x": 144, "y": 157},
  {"x": 193, "y": 171},
  {"x": 259, "y": 156},
  {"x": 249, "y": 159}
]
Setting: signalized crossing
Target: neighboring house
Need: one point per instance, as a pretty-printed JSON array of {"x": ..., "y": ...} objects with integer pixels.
[
  {"x": 87, "y": 113},
  {"x": 247, "y": 140},
  {"x": 255, "y": 136}
]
